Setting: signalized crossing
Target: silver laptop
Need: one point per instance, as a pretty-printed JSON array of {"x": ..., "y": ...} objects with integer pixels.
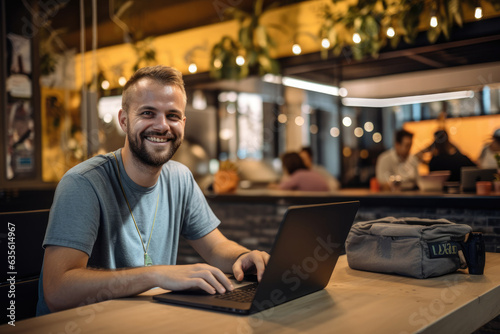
[{"x": 305, "y": 251}]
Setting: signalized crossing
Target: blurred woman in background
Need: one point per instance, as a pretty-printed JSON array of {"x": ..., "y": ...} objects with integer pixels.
[{"x": 298, "y": 176}]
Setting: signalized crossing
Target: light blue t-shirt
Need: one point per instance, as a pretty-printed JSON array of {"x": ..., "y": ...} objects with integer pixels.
[{"x": 89, "y": 213}]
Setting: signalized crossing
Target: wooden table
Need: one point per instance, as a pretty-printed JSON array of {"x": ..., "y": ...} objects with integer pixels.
[{"x": 353, "y": 302}]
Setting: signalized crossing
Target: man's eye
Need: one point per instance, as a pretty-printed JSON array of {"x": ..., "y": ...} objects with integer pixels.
[
  {"x": 174, "y": 116},
  {"x": 147, "y": 113}
]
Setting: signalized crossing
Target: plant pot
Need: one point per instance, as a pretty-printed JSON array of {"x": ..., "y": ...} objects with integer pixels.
[{"x": 496, "y": 187}]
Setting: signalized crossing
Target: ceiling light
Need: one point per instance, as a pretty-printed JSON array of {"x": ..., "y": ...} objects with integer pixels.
[
  {"x": 192, "y": 68},
  {"x": 478, "y": 13},
  {"x": 240, "y": 60},
  {"x": 299, "y": 120},
  {"x": 377, "y": 137},
  {"x": 303, "y": 84},
  {"x": 122, "y": 81},
  {"x": 296, "y": 49},
  {"x": 282, "y": 118},
  {"x": 400, "y": 101},
  {"x": 390, "y": 32},
  {"x": 217, "y": 63},
  {"x": 434, "y": 21},
  {"x": 105, "y": 84},
  {"x": 356, "y": 38},
  {"x": 334, "y": 132},
  {"x": 347, "y": 121},
  {"x": 311, "y": 86},
  {"x": 325, "y": 43}
]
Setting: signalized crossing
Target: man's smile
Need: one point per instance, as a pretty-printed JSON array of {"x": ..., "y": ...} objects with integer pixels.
[{"x": 157, "y": 139}]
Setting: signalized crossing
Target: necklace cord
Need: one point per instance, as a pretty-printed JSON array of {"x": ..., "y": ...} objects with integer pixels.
[{"x": 145, "y": 248}]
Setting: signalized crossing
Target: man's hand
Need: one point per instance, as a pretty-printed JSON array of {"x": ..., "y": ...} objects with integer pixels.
[
  {"x": 252, "y": 262},
  {"x": 190, "y": 277}
]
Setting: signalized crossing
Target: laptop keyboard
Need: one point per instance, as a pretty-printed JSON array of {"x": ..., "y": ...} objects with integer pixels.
[{"x": 244, "y": 294}]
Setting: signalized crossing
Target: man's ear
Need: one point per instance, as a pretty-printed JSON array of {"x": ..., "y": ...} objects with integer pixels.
[{"x": 122, "y": 119}]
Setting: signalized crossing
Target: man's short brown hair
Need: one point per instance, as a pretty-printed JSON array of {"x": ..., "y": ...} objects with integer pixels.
[
  {"x": 400, "y": 134},
  {"x": 164, "y": 75}
]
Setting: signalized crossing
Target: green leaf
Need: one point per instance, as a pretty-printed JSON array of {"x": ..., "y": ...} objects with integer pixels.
[
  {"x": 251, "y": 57},
  {"x": 258, "y": 7},
  {"x": 433, "y": 34},
  {"x": 371, "y": 27},
  {"x": 265, "y": 63},
  {"x": 261, "y": 36},
  {"x": 244, "y": 37}
]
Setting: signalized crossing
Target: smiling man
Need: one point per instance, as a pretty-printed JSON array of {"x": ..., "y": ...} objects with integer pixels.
[{"x": 116, "y": 219}]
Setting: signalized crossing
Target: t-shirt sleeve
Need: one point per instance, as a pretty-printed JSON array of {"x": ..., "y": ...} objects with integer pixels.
[
  {"x": 74, "y": 215},
  {"x": 199, "y": 219}
]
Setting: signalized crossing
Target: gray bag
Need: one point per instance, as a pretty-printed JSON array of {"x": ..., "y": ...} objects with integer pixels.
[{"x": 413, "y": 247}]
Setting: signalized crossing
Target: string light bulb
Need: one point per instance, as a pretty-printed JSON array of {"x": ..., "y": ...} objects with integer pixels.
[
  {"x": 105, "y": 84},
  {"x": 296, "y": 49},
  {"x": 356, "y": 38},
  {"x": 192, "y": 68},
  {"x": 390, "y": 32},
  {"x": 434, "y": 21},
  {"x": 217, "y": 63},
  {"x": 325, "y": 43},
  {"x": 122, "y": 81},
  {"x": 478, "y": 13},
  {"x": 240, "y": 60}
]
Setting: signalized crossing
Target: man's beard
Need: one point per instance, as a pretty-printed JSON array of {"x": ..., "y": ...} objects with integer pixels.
[{"x": 152, "y": 159}]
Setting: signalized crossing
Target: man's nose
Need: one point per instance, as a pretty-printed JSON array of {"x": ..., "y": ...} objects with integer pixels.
[{"x": 161, "y": 124}]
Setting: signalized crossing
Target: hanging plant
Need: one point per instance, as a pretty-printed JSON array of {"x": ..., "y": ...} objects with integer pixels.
[
  {"x": 369, "y": 25},
  {"x": 146, "y": 53},
  {"x": 235, "y": 59}
]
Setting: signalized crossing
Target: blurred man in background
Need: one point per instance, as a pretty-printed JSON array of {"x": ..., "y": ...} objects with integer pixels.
[{"x": 396, "y": 165}]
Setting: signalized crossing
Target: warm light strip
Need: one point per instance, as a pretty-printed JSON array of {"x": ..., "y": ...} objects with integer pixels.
[
  {"x": 302, "y": 84},
  {"x": 399, "y": 101}
]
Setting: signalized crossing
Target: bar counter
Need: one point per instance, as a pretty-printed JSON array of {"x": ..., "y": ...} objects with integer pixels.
[
  {"x": 414, "y": 198},
  {"x": 252, "y": 217}
]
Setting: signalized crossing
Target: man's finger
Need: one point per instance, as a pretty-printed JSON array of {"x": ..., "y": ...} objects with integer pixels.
[{"x": 217, "y": 279}]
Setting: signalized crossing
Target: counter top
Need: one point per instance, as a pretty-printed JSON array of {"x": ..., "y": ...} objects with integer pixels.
[{"x": 353, "y": 302}]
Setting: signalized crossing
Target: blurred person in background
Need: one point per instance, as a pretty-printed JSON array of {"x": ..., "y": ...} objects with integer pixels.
[
  {"x": 487, "y": 158},
  {"x": 307, "y": 156},
  {"x": 397, "y": 163},
  {"x": 298, "y": 176},
  {"x": 446, "y": 156}
]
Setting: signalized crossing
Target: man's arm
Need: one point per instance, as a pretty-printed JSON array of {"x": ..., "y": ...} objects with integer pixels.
[
  {"x": 67, "y": 282},
  {"x": 229, "y": 256}
]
